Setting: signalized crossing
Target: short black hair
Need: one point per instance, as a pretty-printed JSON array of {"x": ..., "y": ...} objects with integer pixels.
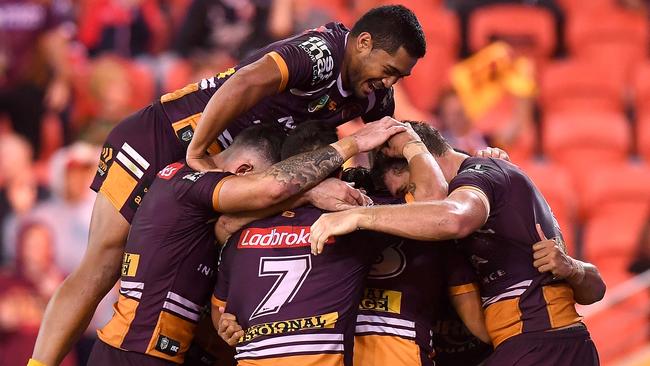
[
  {"x": 308, "y": 136},
  {"x": 264, "y": 138},
  {"x": 391, "y": 27},
  {"x": 361, "y": 177},
  {"x": 431, "y": 137}
]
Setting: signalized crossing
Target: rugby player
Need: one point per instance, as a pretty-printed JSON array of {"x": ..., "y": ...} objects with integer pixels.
[
  {"x": 528, "y": 289},
  {"x": 168, "y": 267},
  {"x": 328, "y": 73}
]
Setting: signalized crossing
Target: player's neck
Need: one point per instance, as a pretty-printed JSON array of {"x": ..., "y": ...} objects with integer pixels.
[
  {"x": 349, "y": 50},
  {"x": 450, "y": 163}
]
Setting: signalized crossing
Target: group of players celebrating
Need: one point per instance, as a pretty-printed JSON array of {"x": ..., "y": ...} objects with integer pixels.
[{"x": 224, "y": 204}]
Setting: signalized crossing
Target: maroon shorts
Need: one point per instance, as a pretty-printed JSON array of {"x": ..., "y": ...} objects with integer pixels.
[
  {"x": 105, "y": 355},
  {"x": 568, "y": 347},
  {"x": 134, "y": 152}
]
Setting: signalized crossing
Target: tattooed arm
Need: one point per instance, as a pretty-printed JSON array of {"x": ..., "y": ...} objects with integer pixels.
[{"x": 301, "y": 172}]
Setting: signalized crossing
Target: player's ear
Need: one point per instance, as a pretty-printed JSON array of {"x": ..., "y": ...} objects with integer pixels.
[
  {"x": 364, "y": 42},
  {"x": 244, "y": 168}
]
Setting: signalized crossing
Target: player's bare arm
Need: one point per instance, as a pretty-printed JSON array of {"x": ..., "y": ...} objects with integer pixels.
[
  {"x": 238, "y": 94},
  {"x": 585, "y": 280},
  {"x": 457, "y": 216},
  {"x": 298, "y": 173},
  {"x": 468, "y": 306}
]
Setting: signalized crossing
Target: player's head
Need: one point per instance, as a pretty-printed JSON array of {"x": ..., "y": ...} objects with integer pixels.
[
  {"x": 254, "y": 149},
  {"x": 384, "y": 45},
  {"x": 308, "y": 136},
  {"x": 394, "y": 173}
]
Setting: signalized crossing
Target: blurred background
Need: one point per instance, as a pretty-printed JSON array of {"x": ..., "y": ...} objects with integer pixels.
[{"x": 563, "y": 86}]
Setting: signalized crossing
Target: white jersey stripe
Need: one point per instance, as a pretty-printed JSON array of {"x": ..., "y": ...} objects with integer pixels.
[
  {"x": 130, "y": 165},
  {"x": 292, "y": 339},
  {"x": 385, "y": 320},
  {"x": 136, "y": 294},
  {"x": 180, "y": 311},
  {"x": 132, "y": 285},
  {"x": 491, "y": 300},
  {"x": 520, "y": 284},
  {"x": 180, "y": 299},
  {"x": 364, "y": 328},
  {"x": 283, "y": 351},
  {"x": 136, "y": 156}
]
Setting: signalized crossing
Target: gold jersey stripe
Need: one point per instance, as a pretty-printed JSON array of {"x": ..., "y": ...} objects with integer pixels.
[
  {"x": 176, "y": 329},
  {"x": 284, "y": 70},
  {"x": 115, "y": 330},
  {"x": 191, "y": 88},
  {"x": 463, "y": 289},
  {"x": 215, "y": 193},
  {"x": 118, "y": 186},
  {"x": 560, "y": 305}
]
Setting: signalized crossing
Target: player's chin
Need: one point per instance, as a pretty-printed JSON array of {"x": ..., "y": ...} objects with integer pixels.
[{"x": 363, "y": 90}]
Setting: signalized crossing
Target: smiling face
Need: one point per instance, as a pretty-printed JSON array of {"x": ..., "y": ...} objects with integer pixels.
[{"x": 373, "y": 68}]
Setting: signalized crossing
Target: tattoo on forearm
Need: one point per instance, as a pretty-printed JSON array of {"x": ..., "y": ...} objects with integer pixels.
[{"x": 306, "y": 169}]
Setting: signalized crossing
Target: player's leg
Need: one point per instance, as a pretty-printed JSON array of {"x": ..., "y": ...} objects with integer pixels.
[{"x": 71, "y": 308}]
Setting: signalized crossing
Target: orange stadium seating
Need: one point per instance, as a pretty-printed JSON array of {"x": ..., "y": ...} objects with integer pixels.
[
  {"x": 556, "y": 185},
  {"x": 581, "y": 84},
  {"x": 529, "y": 30},
  {"x": 617, "y": 38},
  {"x": 430, "y": 75}
]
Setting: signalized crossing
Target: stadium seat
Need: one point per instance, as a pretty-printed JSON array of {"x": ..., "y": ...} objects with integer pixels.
[
  {"x": 143, "y": 83},
  {"x": 617, "y": 38},
  {"x": 579, "y": 139},
  {"x": 643, "y": 135},
  {"x": 641, "y": 88},
  {"x": 615, "y": 202},
  {"x": 430, "y": 74},
  {"x": 529, "y": 30},
  {"x": 178, "y": 75},
  {"x": 581, "y": 84},
  {"x": 556, "y": 185}
]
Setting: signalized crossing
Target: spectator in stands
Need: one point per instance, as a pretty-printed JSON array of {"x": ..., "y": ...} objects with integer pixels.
[
  {"x": 19, "y": 190},
  {"x": 233, "y": 27},
  {"x": 24, "y": 291},
  {"x": 34, "y": 72}
]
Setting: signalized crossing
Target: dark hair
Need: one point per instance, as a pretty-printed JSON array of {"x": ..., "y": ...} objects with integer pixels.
[
  {"x": 264, "y": 138},
  {"x": 308, "y": 136},
  {"x": 391, "y": 27},
  {"x": 431, "y": 137},
  {"x": 361, "y": 178}
]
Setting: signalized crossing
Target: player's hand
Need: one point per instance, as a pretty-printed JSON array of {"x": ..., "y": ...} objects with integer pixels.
[
  {"x": 493, "y": 152},
  {"x": 336, "y": 195},
  {"x": 332, "y": 224},
  {"x": 201, "y": 164},
  {"x": 374, "y": 134},
  {"x": 396, "y": 143},
  {"x": 229, "y": 330},
  {"x": 548, "y": 256}
]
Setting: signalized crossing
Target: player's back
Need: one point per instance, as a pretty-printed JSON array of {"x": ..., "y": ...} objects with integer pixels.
[
  {"x": 517, "y": 298},
  {"x": 404, "y": 287},
  {"x": 169, "y": 265},
  {"x": 296, "y": 309}
]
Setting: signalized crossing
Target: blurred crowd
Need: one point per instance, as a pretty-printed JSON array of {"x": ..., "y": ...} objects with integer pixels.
[{"x": 70, "y": 70}]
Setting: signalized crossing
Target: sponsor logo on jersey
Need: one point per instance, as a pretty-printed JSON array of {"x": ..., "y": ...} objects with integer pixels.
[
  {"x": 318, "y": 104},
  {"x": 170, "y": 170},
  {"x": 321, "y": 58},
  {"x": 167, "y": 345},
  {"x": 130, "y": 263},
  {"x": 287, "y": 326},
  {"x": 376, "y": 299},
  {"x": 193, "y": 176},
  {"x": 276, "y": 237},
  {"x": 105, "y": 160}
]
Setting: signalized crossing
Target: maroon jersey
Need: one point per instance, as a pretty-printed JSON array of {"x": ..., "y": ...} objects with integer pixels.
[
  {"x": 169, "y": 265},
  {"x": 295, "y": 309},
  {"x": 516, "y": 297},
  {"x": 403, "y": 289},
  {"x": 311, "y": 88}
]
